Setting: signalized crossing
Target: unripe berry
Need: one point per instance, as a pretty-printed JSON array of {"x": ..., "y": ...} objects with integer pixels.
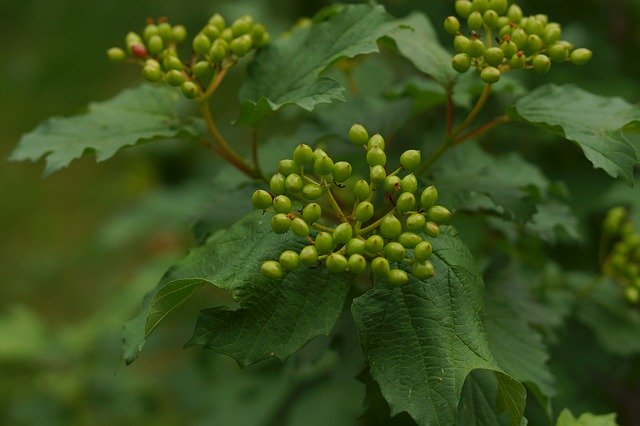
[
  {"x": 476, "y": 48},
  {"x": 171, "y": 62},
  {"x": 580, "y": 56},
  {"x": 409, "y": 183},
  {"x": 409, "y": 239},
  {"x": 174, "y": 78},
  {"x": 461, "y": 62},
  {"x": 342, "y": 234},
  {"x": 277, "y": 184},
  {"x": 533, "y": 43},
  {"x": 423, "y": 270},
  {"x": 519, "y": 37},
  {"x": 380, "y": 267},
  {"x": 462, "y": 44},
  {"x": 505, "y": 30},
  {"x": 151, "y": 73},
  {"x": 281, "y": 204},
  {"x": 294, "y": 183},
  {"x": 289, "y": 260},
  {"x": 364, "y": 211},
  {"x": 211, "y": 31},
  {"x": 257, "y": 33},
  {"x": 376, "y": 157},
  {"x": 341, "y": 171},
  {"x": 261, "y": 199},
  {"x": 201, "y": 44},
  {"x": 422, "y": 251},
  {"x": 514, "y": 13},
  {"x": 432, "y": 229},
  {"x": 518, "y": 61},
  {"x": 416, "y": 222},
  {"x": 149, "y": 31},
  {"x": 299, "y": 227},
  {"x": 178, "y": 33},
  {"x": 480, "y": 5},
  {"x": 311, "y": 212},
  {"x": 439, "y": 214},
  {"x": 406, "y": 201},
  {"x": 302, "y": 154},
  {"x": 451, "y": 25},
  {"x": 474, "y": 21},
  {"x": 533, "y": 25},
  {"x": 390, "y": 227},
  {"x": 552, "y": 33},
  {"x": 502, "y": 22},
  {"x": 558, "y": 52},
  {"x": 155, "y": 44},
  {"x": 541, "y": 63},
  {"x": 272, "y": 269},
  {"x": 490, "y": 75},
  {"x": 357, "y": 263},
  {"x": 242, "y": 25},
  {"x": 358, "y": 135},
  {"x": 632, "y": 295},
  {"x": 463, "y": 8},
  {"x": 428, "y": 197},
  {"x": 392, "y": 184},
  {"x": 311, "y": 191},
  {"x": 410, "y": 159},
  {"x": 499, "y": 6},
  {"x": 377, "y": 174},
  {"x": 309, "y": 256},
  {"x": 218, "y": 21},
  {"x": 132, "y": 38},
  {"x": 374, "y": 244},
  {"x": 397, "y": 277},
  {"x": 509, "y": 48},
  {"x": 227, "y": 35},
  {"x": 491, "y": 18},
  {"x": 493, "y": 56},
  {"x": 219, "y": 50},
  {"x": 115, "y": 54},
  {"x": 376, "y": 141},
  {"x": 201, "y": 69},
  {"x": 280, "y": 223},
  {"x": 323, "y": 165},
  {"x": 190, "y": 89},
  {"x": 324, "y": 242},
  {"x": 356, "y": 246},
  {"x": 361, "y": 190},
  {"x": 394, "y": 251},
  {"x": 165, "y": 31},
  {"x": 287, "y": 166},
  {"x": 241, "y": 46}
]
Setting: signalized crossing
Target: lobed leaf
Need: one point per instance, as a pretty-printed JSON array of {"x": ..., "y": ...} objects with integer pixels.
[
  {"x": 136, "y": 115},
  {"x": 594, "y": 122},
  {"x": 566, "y": 418}
]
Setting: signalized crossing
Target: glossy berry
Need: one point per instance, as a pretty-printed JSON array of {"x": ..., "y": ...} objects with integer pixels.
[
  {"x": 558, "y": 52},
  {"x": 480, "y": 5},
  {"x": 218, "y": 21},
  {"x": 201, "y": 44},
  {"x": 491, "y": 19},
  {"x": 476, "y": 48},
  {"x": 303, "y": 154},
  {"x": 155, "y": 44},
  {"x": 342, "y": 234},
  {"x": 173, "y": 63},
  {"x": 380, "y": 267},
  {"x": 324, "y": 242},
  {"x": 490, "y": 75},
  {"x": 211, "y": 31},
  {"x": 261, "y": 199},
  {"x": 580, "y": 56},
  {"x": 541, "y": 63},
  {"x": 336, "y": 263},
  {"x": 509, "y": 48},
  {"x": 451, "y": 25},
  {"x": 394, "y": 251},
  {"x": 390, "y": 227},
  {"x": 374, "y": 244},
  {"x": 462, "y": 44},
  {"x": 341, "y": 171},
  {"x": 461, "y": 62},
  {"x": 432, "y": 229},
  {"x": 376, "y": 157},
  {"x": 311, "y": 191},
  {"x": 422, "y": 270},
  {"x": 289, "y": 260},
  {"x": 311, "y": 213},
  {"x": 518, "y": 61},
  {"x": 552, "y": 33},
  {"x": 357, "y": 263},
  {"x": 499, "y": 6},
  {"x": 201, "y": 69},
  {"x": 115, "y": 54},
  {"x": 358, "y": 135},
  {"x": 493, "y": 56},
  {"x": 294, "y": 183},
  {"x": 280, "y": 223},
  {"x": 272, "y": 269},
  {"x": 376, "y": 141},
  {"x": 361, "y": 190},
  {"x": 397, "y": 277},
  {"x": 356, "y": 246},
  {"x": 151, "y": 73},
  {"x": 190, "y": 89},
  {"x": 463, "y": 8},
  {"x": 299, "y": 227},
  {"x": 282, "y": 204},
  {"x": 409, "y": 239},
  {"x": 139, "y": 50},
  {"x": 514, "y": 13},
  {"x": 474, "y": 21},
  {"x": 438, "y": 214},
  {"x": 405, "y": 202},
  {"x": 409, "y": 183},
  {"x": 428, "y": 197},
  {"x": 392, "y": 184},
  {"x": 533, "y": 44},
  {"x": 287, "y": 166},
  {"x": 309, "y": 256},
  {"x": 364, "y": 211},
  {"x": 241, "y": 46},
  {"x": 277, "y": 184},
  {"x": 377, "y": 174},
  {"x": 174, "y": 78},
  {"x": 323, "y": 165},
  {"x": 242, "y": 25},
  {"x": 422, "y": 251},
  {"x": 519, "y": 37},
  {"x": 219, "y": 50}
]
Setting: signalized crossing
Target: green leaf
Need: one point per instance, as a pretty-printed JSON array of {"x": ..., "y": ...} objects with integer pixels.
[
  {"x": 594, "y": 122},
  {"x": 289, "y": 70},
  {"x": 418, "y": 42},
  {"x": 134, "y": 116},
  {"x": 566, "y": 418},
  {"x": 488, "y": 399},
  {"x": 423, "y": 339}
]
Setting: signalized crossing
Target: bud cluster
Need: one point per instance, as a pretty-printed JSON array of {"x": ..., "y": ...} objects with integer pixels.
[
  {"x": 520, "y": 41},
  {"x": 216, "y": 47},
  {"x": 623, "y": 261},
  {"x": 391, "y": 243}
]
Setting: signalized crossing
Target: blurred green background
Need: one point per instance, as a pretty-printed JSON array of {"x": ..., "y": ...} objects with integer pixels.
[{"x": 80, "y": 248}]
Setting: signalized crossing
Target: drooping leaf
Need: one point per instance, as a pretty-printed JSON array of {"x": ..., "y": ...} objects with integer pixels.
[
  {"x": 566, "y": 418},
  {"x": 423, "y": 339},
  {"x": 136, "y": 115},
  {"x": 289, "y": 70},
  {"x": 418, "y": 42},
  {"x": 594, "y": 122}
]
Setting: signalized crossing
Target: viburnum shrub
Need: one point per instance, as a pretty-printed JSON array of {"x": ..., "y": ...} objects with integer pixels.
[{"x": 379, "y": 219}]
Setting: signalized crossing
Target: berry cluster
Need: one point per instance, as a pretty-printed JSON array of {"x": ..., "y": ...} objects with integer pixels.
[
  {"x": 623, "y": 262},
  {"x": 390, "y": 243},
  {"x": 215, "y": 48},
  {"x": 520, "y": 42}
]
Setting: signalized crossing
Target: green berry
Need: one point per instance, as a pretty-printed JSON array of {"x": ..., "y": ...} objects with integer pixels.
[
  {"x": 172, "y": 62},
  {"x": 364, "y": 211},
  {"x": 309, "y": 256},
  {"x": 514, "y": 13},
  {"x": 151, "y": 73},
  {"x": 409, "y": 239},
  {"x": 451, "y": 25},
  {"x": 519, "y": 37},
  {"x": 155, "y": 44},
  {"x": 261, "y": 199},
  {"x": 380, "y": 267},
  {"x": 480, "y": 5},
  {"x": 226, "y": 35},
  {"x": 149, "y": 31},
  {"x": 357, "y": 263},
  {"x": 551, "y": 33},
  {"x": 190, "y": 89},
  {"x": 201, "y": 44},
  {"x": 493, "y": 56},
  {"x": 241, "y": 46},
  {"x": 311, "y": 212},
  {"x": 324, "y": 242},
  {"x": 115, "y": 54},
  {"x": 392, "y": 184},
  {"x": 343, "y": 233},
  {"x": 406, "y": 201},
  {"x": 518, "y": 61},
  {"x": 201, "y": 69},
  {"x": 258, "y": 33},
  {"x": 490, "y": 18},
  {"x": 423, "y": 270},
  {"x": 533, "y": 25},
  {"x": 376, "y": 157},
  {"x": 558, "y": 52},
  {"x": 303, "y": 154},
  {"x": 131, "y": 38},
  {"x": 280, "y": 223},
  {"x": 416, "y": 222},
  {"x": 211, "y": 31},
  {"x": 428, "y": 197},
  {"x": 299, "y": 227},
  {"x": 219, "y": 50},
  {"x": 178, "y": 33},
  {"x": 432, "y": 229},
  {"x": 374, "y": 244},
  {"x": 174, "y": 78},
  {"x": 165, "y": 31},
  {"x": 356, "y": 246},
  {"x": 397, "y": 277},
  {"x": 272, "y": 269},
  {"x": 509, "y": 48},
  {"x": 361, "y": 190},
  {"x": 242, "y": 25},
  {"x": 376, "y": 141},
  {"x": 358, "y": 135},
  {"x": 462, "y": 44},
  {"x": 502, "y": 22},
  {"x": 409, "y": 183},
  {"x": 289, "y": 260},
  {"x": 474, "y": 21},
  {"x": 287, "y": 166},
  {"x": 463, "y": 8},
  {"x": 377, "y": 174},
  {"x": 461, "y": 62},
  {"x": 394, "y": 251},
  {"x": 337, "y": 263},
  {"x": 490, "y": 75},
  {"x": 476, "y": 48},
  {"x": 341, "y": 171},
  {"x": 311, "y": 191},
  {"x": 422, "y": 251},
  {"x": 533, "y": 43},
  {"x": 218, "y": 21},
  {"x": 277, "y": 184},
  {"x": 580, "y": 56},
  {"x": 390, "y": 227},
  {"x": 439, "y": 214},
  {"x": 499, "y": 6},
  {"x": 323, "y": 165},
  {"x": 294, "y": 183},
  {"x": 410, "y": 159},
  {"x": 282, "y": 204},
  {"x": 541, "y": 63}
]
